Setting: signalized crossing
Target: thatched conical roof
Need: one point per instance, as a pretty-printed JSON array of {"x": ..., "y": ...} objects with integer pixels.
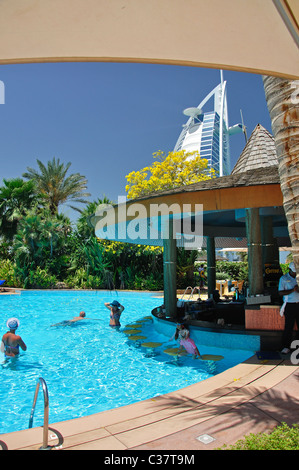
[{"x": 259, "y": 152}]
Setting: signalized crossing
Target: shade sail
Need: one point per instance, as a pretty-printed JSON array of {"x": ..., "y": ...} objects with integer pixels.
[{"x": 256, "y": 36}]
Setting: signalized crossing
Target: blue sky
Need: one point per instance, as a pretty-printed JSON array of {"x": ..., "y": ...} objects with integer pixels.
[{"x": 108, "y": 119}]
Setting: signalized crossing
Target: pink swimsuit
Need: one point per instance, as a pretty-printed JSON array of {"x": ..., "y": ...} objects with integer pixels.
[{"x": 187, "y": 342}]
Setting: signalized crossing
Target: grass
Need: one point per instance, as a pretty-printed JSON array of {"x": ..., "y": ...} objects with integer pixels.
[{"x": 283, "y": 437}]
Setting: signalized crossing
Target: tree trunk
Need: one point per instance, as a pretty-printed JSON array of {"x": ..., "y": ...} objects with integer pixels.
[{"x": 283, "y": 103}]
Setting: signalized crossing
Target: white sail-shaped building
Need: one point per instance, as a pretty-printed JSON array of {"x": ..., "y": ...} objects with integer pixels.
[{"x": 208, "y": 132}]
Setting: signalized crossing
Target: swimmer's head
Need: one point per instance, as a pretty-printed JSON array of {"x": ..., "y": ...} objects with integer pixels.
[
  {"x": 12, "y": 323},
  {"x": 82, "y": 314},
  {"x": 115, "y": 303}
]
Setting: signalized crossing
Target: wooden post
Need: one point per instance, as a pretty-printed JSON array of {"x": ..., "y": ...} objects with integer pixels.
[
  {"x": 169, "y": 272},
  {"x": 255, "y": 262},
  {"x": 211, "y": 258}
]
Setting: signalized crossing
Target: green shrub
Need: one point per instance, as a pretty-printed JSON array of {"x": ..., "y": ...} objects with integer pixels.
[
  {"x": 282, "y": 437},
  {"x": 142, "y": 282},
  {"x": 7, "y": 272},
  {"x": 77, "y": 280},
  {"x": 222, "y": 276},
  {"x": 81, "y": 280},
  {"x": 40, "y": 279},
  {"x": 152, "y": 282},
  {"x": 236, "y": 270},
  {"x": 94, "y": 282}
]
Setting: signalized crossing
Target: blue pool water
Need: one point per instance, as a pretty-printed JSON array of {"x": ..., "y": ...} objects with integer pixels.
[{"x": 89, "y": 367}]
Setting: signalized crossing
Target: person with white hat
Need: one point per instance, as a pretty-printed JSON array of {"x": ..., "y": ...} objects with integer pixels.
[
  {"x": 10, "y": 341},
  {"x": 288, "y": 288}
]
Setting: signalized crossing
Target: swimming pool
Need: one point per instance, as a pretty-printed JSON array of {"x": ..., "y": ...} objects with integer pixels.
[{"x": 89, "y": 367}]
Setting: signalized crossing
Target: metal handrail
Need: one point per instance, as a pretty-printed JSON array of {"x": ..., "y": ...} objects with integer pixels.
[
  {"x": 192, "y": 290},
  {"x": 185, "y": 293},
  {"x": 46, "y": 410},
  {"x": 195, "y": 287}
]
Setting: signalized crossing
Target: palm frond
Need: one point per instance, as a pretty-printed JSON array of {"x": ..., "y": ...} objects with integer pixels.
[{"x": 51, "y": 181}]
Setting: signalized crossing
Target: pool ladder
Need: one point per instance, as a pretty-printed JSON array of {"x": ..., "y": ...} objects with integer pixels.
[
  {"x": 191, "y": 294},
  {"x": 42, "y": 382}
]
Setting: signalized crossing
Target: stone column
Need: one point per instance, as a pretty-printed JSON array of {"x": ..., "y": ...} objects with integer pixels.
[
  {"x": 255, "y": 262},
  {"x": 169, "y": 272},
  {"x": 270, "y": 249},
  {"x": 211, "y": 258}
]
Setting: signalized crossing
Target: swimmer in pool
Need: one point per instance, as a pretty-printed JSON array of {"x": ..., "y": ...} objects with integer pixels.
[
  {"x": 11, "y": 342},
  {"x": 82, "y": 316},
  {"x": 116, "y": 310}
]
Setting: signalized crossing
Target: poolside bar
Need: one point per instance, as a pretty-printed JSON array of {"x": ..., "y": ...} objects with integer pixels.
[{"x": 242, "y": 209}]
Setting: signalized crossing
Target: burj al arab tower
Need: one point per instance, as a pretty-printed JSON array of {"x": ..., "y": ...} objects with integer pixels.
[{"x": 209, "y": 132}]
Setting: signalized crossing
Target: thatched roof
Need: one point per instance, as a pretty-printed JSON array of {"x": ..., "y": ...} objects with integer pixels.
[
  {"x": 259, "y": 152},
  {"x": 258, "y": 176}
]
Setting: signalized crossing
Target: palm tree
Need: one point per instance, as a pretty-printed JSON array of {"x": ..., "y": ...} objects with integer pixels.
[
  {"x": 97, "y": 262},
  {"x": 84, "y": 226},
  {"x": 16, "y": 197},
  {"x": 282, "y": 100},
  {"x": 52, "y": 182},
  {"x": 39, "y": 235}
]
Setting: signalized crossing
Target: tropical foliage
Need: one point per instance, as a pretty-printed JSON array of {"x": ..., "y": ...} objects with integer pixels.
[
  {"x": 283, "y": 437},
  {"x": 52, "y": 182},
  {"x": 40, "y": 242},
  {"x": 41, "y": 248},
  {"x": 232, "y": 270},
  {"x": 16, "y": 197}
]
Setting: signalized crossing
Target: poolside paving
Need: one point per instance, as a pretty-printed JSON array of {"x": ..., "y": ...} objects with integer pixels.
[{"x": 253, "y": 396}]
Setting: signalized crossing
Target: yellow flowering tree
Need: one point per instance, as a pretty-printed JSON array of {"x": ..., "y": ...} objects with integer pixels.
[{"x": 167, "y": 172}]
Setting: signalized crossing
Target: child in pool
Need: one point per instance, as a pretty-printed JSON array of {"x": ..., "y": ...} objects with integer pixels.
[{"x": 183, "y": 335}]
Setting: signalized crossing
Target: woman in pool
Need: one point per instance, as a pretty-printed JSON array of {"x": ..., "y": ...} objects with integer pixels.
[
  {"x": 183, "y": 335},
  {"x": 116, "y": 310},
  {"x": 10, "y": 341}
]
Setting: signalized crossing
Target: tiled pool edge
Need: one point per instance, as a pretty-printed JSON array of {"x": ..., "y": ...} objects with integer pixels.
[{"x": 108, "y": 428}]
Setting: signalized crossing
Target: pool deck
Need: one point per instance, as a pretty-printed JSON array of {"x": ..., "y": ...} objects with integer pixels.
[{"x": 254, "y": 396}]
